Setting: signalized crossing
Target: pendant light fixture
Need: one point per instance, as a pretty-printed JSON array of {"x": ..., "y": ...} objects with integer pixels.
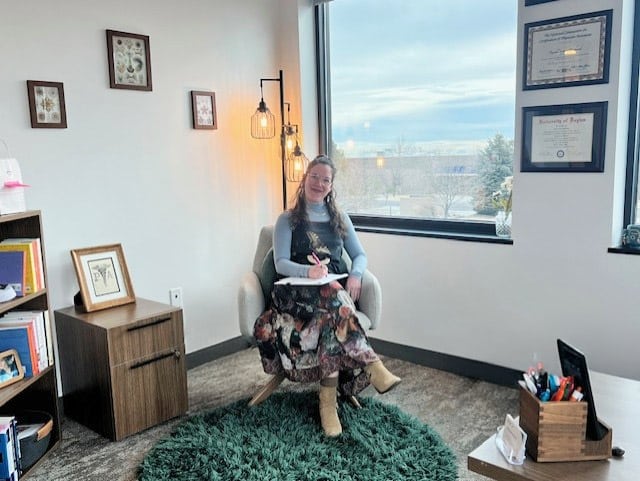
[
  {"x": 297, "y": 163},
  {"x": 263, "y": 122},
  {"x": 290, "y": 131},
  {"x": 263, "y": 126}
]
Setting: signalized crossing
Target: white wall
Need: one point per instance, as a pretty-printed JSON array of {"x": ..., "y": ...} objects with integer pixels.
[
  {"x": 501, "y": 304},
  {"x": 185, "y": 204}
]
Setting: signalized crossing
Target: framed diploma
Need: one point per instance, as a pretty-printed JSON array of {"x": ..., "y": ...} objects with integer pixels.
[
  {"x": 564, "y": 138},
  {"x": 567, "y": 51}
]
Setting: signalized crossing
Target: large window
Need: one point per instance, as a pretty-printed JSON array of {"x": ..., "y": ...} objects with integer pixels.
[{"x": 420, "y": 109}]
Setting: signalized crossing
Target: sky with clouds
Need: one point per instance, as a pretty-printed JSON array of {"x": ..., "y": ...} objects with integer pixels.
[{"x": 426, "y": 71}]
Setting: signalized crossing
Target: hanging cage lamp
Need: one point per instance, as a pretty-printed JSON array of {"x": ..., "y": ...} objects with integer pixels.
[
  {"x": 263, "y": 122},
  {"x": 297, "y": 164}
]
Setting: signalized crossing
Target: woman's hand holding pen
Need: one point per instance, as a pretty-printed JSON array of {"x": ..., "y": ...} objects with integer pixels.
[{"x": 319, "y": 270}]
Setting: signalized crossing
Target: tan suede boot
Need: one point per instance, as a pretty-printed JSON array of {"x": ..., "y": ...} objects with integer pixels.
[
  {"x": 329, "y": 410},
  {"x": 381, "y": 378}
]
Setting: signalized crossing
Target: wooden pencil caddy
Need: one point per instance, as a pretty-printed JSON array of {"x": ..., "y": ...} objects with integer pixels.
[{"x": 556, "y": 431}]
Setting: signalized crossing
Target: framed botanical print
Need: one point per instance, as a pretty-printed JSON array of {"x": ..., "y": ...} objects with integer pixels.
[
  {"x": 46, "y": 105},
  {"x": 102, "y": 276},
  {"x": 129, "y": 58},
  {"x": 203, "y": 105}
]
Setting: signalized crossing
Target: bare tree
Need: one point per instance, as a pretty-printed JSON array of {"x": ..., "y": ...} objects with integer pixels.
[{"x": 449, "y": 182}]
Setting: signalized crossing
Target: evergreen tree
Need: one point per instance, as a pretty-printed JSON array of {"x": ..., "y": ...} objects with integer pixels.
[{"x": 496, "y": 163}]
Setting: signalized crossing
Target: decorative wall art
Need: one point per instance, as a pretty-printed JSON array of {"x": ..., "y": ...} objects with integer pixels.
[
  {"x": 564, "y": 138},
  {"x": 203, "y": 105},
  {"x": 11, "y": 369},
  {"x": 129, "y": 58},
  {"x": 102, "y": 276},
  {"x": 567, "y": 51},
  {"x": 46, "y": 105}
]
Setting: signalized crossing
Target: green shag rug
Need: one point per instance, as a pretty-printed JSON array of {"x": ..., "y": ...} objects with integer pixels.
[{"x": 282, "y": 440}]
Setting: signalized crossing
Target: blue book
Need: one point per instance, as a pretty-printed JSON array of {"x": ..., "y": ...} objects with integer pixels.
[
  {"x": 8, "y": 466},
  {"x": 12, "y": 270},
  {"x": 18, "y": 338}
]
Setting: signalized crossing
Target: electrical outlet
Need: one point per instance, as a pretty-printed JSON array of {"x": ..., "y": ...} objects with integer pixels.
[{"x": 175, "y": 296}]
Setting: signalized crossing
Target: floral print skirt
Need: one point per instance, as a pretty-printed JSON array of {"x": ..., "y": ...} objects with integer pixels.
[{"x": 312, "y": 331}]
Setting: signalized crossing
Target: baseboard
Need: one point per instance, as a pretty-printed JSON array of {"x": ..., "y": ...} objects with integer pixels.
[
  {"x": 470, "y": 368},
  {"x": 216, "y": 351},
  {"x": 483, "y": 371}
]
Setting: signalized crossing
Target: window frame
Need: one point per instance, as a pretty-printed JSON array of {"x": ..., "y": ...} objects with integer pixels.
[
  {"x": 633, "y": 139},
  {"x": 476, "y": 231}
]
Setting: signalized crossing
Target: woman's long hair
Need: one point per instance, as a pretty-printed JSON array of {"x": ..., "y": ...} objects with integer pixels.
[{"x": 299, "y": 210}]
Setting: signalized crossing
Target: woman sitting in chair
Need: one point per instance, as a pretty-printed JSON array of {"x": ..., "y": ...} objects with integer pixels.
[{"x": 312, "y": 333}]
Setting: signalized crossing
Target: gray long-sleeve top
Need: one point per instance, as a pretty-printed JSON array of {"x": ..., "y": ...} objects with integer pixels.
[{"x": 316, "y": 213}]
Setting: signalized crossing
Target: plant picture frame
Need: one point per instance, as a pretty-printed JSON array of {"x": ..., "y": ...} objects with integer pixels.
[
  {"x": 129, "y": 59},
  {"x": 567, "y": 51},
  {"x": 203, "y": 107},
  {"x": 46, "y": 104},
  {"x": 11, "y": 368},
  {"x": 103, "y": 277},
  {"x": 564, "y": 138}
]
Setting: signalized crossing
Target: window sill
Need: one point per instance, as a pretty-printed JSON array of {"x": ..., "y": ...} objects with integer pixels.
[
  {"x": 438, "y": 235},
  {"x": 623, "y": 250},
  {"x": 439, "y": 229}
]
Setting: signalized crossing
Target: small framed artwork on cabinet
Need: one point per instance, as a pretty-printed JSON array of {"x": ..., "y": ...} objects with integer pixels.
[
  {"x": 11, "y": 369},
  {"x": 129, "y": 58},
  {"x": 103, "y": 277},
  {"x": 203, "y": 105},
  {"x": 46, "y": 105}
]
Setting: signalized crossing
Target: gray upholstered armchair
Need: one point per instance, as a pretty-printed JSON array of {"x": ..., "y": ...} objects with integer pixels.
[{"x": 256, "y": 286}]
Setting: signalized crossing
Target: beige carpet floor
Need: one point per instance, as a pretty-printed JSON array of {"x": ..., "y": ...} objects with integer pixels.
[{"x": 464, "y": 411}]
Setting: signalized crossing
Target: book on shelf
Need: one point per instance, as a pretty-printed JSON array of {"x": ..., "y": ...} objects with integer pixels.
[
  {"x": 306, "y": 281},
  {"x": 33, "y": 281},
  {"x": 13, "y": 270},
  {"x": 35, "y": 320},
  {"x": 20, "y": 339},
  {"x": 36, "y": 252},
  {"x": 9, "y": 449},
  {"x": 46, "y": 322},
  {"x": 43, "y": 330}
]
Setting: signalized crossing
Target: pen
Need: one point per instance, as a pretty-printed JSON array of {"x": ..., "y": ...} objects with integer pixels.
[{"x": 315, "y": 258}]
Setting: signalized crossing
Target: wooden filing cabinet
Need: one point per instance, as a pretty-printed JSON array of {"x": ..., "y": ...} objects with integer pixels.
[{"x": 123, "y": 368}]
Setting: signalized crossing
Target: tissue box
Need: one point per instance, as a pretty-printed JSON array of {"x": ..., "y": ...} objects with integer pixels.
[{"x": 556, "y": 431}]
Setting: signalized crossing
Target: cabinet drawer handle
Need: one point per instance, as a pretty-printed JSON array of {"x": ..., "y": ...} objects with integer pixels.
[
  {"x": 153, "y": 323},
  {"x": 175, "y": 353}
]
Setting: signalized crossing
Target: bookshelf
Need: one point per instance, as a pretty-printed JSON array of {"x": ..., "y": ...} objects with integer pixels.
[{"x": 38, "y": 392}]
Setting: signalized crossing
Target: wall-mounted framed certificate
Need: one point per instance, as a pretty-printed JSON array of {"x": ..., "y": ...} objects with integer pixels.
[
  {"x": 564, "y": 138},
  {"x": 567, "y": 51}
]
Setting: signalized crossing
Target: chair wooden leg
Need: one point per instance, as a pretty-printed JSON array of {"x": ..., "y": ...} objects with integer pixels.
[
  {"x": 354, "y": 402},
  {"x": 267, "y": 389}
]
